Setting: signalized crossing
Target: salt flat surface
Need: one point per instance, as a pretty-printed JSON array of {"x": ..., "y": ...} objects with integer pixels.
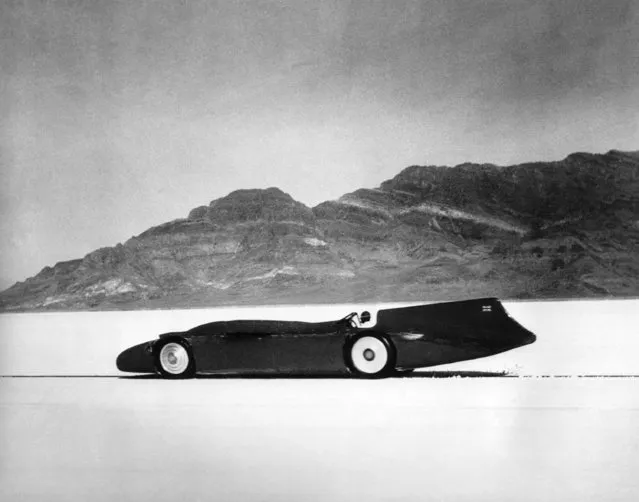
[
  {"x": 403, "y": 439},
  {"x": 525, "y": 438},
  {"x": 574, "y": 337}
]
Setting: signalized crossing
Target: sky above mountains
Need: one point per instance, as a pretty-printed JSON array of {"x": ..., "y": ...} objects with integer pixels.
[{"x": 120, "y": 115}]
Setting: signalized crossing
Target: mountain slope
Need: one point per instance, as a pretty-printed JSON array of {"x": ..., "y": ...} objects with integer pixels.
[{"x": 538, "y": 230}]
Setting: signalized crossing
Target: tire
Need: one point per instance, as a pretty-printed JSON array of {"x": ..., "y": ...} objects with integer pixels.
[
  {"x": 174, "y": 359},
  {"x": 371, "y": 356}
]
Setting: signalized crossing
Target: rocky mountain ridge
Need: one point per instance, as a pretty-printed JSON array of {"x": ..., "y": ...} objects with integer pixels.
[{"x": 538, "y": 230}]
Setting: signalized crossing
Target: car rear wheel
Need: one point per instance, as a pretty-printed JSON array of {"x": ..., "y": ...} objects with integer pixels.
[
  {"x": 174, "y": 359},
  {"x": 371, "y": 356}
]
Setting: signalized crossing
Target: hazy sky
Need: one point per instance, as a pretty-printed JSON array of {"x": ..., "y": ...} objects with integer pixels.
[{"x": 119, "y": 115}]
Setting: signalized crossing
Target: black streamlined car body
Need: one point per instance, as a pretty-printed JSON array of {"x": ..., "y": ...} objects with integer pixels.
[{"x": 402, "y": 339}]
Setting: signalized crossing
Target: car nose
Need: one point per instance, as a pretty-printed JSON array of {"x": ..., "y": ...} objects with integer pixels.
[{"x": 136, "y": 359}]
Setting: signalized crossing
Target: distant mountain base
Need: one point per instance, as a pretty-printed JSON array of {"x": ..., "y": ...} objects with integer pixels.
[{"x": 480, "y": 278}]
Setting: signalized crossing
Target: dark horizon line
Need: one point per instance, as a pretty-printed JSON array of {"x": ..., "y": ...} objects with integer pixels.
[{"x": 414, "y": 375}]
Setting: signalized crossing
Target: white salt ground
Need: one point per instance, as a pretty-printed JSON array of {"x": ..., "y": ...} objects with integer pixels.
[
  {"x": 466, "y": 439},
  {"x": 404, "y": 439}
]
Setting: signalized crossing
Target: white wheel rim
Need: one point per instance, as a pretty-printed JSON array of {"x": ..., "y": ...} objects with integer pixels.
[
  {"x": 174, "y": 358},
  {"x": 369, "y": 355}
]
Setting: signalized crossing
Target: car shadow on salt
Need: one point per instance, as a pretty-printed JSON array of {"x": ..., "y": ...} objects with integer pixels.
[{"x": 411, "y": 375}]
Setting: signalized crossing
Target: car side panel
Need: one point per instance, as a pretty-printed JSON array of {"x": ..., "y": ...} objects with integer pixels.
[
  {"x": 422, "y": 352},
  {"x": 270, "y": 353}
]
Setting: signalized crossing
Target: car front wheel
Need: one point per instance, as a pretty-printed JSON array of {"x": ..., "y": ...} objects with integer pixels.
[
  {"x": 174, "y": 359},
  {"x": 371, "y": 356}
]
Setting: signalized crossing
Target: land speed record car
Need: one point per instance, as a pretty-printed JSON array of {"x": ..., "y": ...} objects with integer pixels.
[{"x": 402, "y": 339}]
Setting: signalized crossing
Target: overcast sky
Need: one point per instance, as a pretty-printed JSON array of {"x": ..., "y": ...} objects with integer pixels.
[{"x": 119, "y": 115}]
